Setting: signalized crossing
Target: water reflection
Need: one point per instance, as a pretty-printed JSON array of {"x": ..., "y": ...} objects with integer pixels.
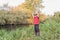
[{"x": 13, "y": 27}]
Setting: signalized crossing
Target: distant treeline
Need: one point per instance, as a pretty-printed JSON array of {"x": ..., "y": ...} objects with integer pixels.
[
  {"x": 8, "y": 17},
  {"x": 56, "y": 16}
]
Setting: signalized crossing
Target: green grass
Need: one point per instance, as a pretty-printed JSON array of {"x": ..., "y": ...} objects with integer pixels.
[{"x": 49, "y": 30}]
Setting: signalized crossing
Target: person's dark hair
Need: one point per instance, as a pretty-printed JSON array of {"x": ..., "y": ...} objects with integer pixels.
[{"x": 35, "y": 14}]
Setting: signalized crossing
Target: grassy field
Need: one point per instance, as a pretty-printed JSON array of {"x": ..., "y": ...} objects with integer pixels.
[{"x": 49, "y": 30}]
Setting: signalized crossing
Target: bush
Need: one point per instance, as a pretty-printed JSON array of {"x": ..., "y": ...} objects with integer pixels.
[
  {"x": 7, "y": 17},
  {"x": 56, "y": 17}
]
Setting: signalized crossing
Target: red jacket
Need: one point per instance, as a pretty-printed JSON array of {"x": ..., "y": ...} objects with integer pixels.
[{"x": 36, "y": 20}]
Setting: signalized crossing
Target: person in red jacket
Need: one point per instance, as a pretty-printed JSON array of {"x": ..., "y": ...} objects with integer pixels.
[{"x": 36, "y": 24}]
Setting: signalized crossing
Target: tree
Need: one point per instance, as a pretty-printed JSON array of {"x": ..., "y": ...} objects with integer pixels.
[
  {"x": 56, "y": 16},
  {"x": 35, "y": 4},
  {"x": 29, "y": 7}
]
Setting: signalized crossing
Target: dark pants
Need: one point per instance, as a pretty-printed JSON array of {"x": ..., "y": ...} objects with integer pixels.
[{"x": 36, "y": 28}]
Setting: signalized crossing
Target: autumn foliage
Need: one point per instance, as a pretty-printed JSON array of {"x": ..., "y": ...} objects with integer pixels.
[
  {"x": 27, "y": 9},
  {"x": 21, "y": 14}
]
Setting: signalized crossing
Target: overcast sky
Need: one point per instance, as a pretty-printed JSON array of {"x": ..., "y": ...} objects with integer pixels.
[
  {"x": 11, "y": 2},
  {"x": 50, "y": 5}
]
